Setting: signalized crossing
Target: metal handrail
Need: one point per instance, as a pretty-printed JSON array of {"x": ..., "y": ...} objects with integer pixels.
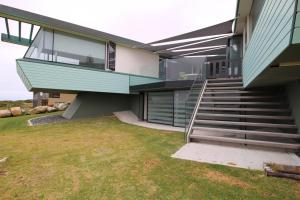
[
  {"x": 191, "y": 122},
  {"x": 199, "y": 77}
]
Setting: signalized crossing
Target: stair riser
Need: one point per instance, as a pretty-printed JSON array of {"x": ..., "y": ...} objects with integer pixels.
[
  {"x": 287, "y": 147},
  {"x": 204, "y": 130},
  {"x": 241, "y": 119},
  {"x": 245, "y": 124}
]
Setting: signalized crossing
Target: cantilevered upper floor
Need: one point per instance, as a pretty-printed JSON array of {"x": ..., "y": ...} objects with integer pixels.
[{"x": 67, "y": 57}]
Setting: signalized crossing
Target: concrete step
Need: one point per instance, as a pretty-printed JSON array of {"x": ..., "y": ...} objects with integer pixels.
[
  {"x": 224, "y": 84},
  {"x": 237, "y": 92},
  {"x": 293, "y": 146},
  {"x": 240, "y": 103},
  {"x": 225, "y": 88},
  {"x": 248, "y": 132},
  {"x": 246, "y": 116},
  {"x": 252, "y": 124},
  {"x": 224, "y": 80},
  {"x": 275, "y": 110},
  {"x": 239, "y": 97}
]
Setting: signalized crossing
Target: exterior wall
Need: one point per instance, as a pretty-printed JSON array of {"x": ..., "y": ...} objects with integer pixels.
[
  {"x": 296, "y": 35},
  {"x": 137, "y": 61},
  {"x": 137, "y": 104},
  {"x": 65, "y": 98},
  {"x": 293, "y": 90},
  {"x": 271, "y": 36},
  {"x": 89, "y": 104}
]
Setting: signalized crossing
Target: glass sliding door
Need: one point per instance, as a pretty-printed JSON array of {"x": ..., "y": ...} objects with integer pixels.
[
  {"x": 161, "y": 107},
  {"x": 167, "y": 107},
  {"x": 180, "y": 97}
]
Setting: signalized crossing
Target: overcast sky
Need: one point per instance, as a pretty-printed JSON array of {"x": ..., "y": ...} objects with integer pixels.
[{"x": 140, "y": 20}]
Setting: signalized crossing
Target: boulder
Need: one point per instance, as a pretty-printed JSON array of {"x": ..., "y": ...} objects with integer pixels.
[
  {"x": 51, "y": 109},
  {"x": 38, "y": 110},
  {"x": 16, "y": 111},
  {"x": 5, "y": 113},
  {"x": 61, "y": 106}
]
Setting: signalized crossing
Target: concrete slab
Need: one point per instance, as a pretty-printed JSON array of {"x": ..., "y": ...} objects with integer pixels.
[
  {"x": 130, "y": 118},
  {"x": 241, "y": 156}
]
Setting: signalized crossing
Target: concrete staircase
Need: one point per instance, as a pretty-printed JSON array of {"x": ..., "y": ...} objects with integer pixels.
[{"x": 228, "y": 113}]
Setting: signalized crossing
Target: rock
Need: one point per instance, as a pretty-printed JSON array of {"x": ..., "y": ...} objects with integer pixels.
[
  {"x": 16, "y": 111},
  {"x": 51, "y": 109},
  {"x": 38, "y": 110},
  {"x": 5, "y": 113},
  {"x": 61, "y": 106},
  {"x": 3, "y": 160}
]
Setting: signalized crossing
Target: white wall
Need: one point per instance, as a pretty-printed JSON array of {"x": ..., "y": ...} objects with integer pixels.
[{"x": 136, "y": 61}]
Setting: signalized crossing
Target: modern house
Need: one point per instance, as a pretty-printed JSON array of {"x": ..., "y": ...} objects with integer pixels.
[{"x": 233, "y": 82}]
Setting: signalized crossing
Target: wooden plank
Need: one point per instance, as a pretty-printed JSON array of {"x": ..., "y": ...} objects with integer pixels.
[
  {"x": 241, "y": 103},
  {"x": 224, "y": 83},
  {"x": 280, "y": 110},
  {"x": 249, "y": 132},
  {"x": 253, "y": 124},
  {"x": 251, "y": 142},
  {"x": 246, "y": 116},
  {"x": 237, "y": 92},
  {"x": 239, "y": 97},
  {"x": 225, "y": 88},
  {"x": 224, "y": 80}
]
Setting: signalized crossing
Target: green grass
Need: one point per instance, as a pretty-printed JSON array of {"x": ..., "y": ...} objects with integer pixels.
[{"x": 103, "y": 158}]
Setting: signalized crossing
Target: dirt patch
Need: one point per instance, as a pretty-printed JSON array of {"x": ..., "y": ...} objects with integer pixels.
[
  {"x": 75, "y": 180},
  {"x": 150, "y": 164},
  {"x": 223, "y": 178},
  {"x": 3, "y": 173}
]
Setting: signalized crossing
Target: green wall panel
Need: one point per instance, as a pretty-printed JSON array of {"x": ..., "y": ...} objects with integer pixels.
[
  {"x": 296, "y": 34},
  {"x": 270, "y": 38},
  {"x": 138, "y": 80},
  {"x": 50, "y": 76}
]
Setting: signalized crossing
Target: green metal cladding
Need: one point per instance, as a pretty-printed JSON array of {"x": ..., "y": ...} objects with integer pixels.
[
  {"x": 296, "y": 35},
  {"x": 271, "y": 36},
  {"x": 54, "y": 76}
]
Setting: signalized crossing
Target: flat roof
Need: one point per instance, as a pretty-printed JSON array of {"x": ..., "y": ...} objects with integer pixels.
[{"x": 52, "y": 23}]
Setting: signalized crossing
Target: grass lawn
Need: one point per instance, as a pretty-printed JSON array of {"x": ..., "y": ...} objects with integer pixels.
[{"x": 103, "y": 158}]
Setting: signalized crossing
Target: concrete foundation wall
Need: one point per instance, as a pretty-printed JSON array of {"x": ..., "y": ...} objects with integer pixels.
[
  {"x": 293, "y": 90},
  {"x": 137, "y": 105},
  {"x": 97, "y": 104}
]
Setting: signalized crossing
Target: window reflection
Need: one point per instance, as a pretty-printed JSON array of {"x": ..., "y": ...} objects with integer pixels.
[{"x": 60, "y": 47}]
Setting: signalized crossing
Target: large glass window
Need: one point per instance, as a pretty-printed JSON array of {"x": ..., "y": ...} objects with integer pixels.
[{"x": 60, "y": 47}]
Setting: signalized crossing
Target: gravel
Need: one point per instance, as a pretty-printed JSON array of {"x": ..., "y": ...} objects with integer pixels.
[{"x": 46, "y": 120}]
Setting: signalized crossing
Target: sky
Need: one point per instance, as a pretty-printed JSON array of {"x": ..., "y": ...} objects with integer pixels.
[{"x": 140, "y": 20}]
